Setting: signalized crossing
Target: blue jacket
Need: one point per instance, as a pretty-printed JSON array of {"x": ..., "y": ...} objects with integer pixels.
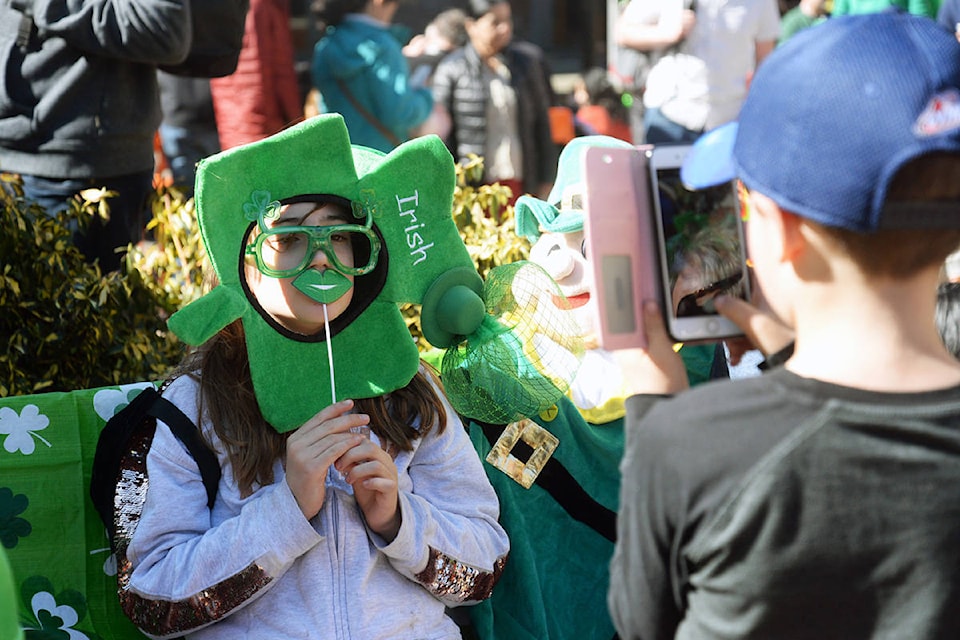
[
  {"x": 80, "y": 99},
  {"x": 367, "y": 58}
]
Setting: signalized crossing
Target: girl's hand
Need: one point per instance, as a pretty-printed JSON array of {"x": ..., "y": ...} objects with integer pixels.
[
  {"x": 316, "y": 445},
  {"x": 373, "y": 475}
]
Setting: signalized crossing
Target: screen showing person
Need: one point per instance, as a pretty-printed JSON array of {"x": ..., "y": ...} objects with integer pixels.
[{"x": 700, "y": 242}]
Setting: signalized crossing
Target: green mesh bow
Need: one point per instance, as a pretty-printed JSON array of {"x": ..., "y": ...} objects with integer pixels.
[{"x": 524, "y": 355}]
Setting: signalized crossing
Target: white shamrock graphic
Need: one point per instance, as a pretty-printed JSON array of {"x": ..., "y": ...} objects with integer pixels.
[
  {"x": 44, "y": 601},
  {"x": 20, "y": 429},
  {"x": 110, "y": 564},
  {"x": 107, "y": 401}
]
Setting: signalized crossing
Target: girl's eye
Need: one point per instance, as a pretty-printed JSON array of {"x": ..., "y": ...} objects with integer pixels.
[
  {"x": 285, "y": 241},
  {"x": 340, "y": 238}
]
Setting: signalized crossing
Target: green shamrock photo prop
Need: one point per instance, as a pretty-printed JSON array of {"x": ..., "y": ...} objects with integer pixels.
[{"x": 406, "y": 196}]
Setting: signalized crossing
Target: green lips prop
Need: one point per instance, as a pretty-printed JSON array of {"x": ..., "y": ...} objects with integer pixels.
[{"x": 323, "y": 286}]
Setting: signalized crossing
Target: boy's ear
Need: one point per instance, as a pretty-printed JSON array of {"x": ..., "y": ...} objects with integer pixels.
[
  {"x": 780, "y": 229},
  {"x": 790, "y": 233}
]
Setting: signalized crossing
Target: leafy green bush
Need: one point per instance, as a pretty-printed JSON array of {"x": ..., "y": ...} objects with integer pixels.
[
  {"x": 174, "y": 264},
  {"x": 65, "y": 325},
  {"x": 485, "y": 220},
  {"x": 68, "y": 326}
]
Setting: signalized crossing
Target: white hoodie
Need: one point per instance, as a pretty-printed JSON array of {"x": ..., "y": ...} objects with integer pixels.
[{"x": 254, "y": 567}]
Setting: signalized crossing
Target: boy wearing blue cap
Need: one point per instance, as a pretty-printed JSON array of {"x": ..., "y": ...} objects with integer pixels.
[{"x": 822, "y": 499}]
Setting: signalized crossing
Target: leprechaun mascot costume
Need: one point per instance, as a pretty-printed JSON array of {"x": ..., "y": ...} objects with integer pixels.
[{"x": 556, "y": 471}]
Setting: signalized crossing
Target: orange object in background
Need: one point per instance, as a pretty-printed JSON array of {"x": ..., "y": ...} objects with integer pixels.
[
  {"x": 599, "y": 118},
  {"x": 162, "y": 174},
  {"x": 561, "y": 124}
]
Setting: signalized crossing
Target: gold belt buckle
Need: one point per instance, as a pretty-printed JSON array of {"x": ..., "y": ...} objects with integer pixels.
[{"x": 539, "y": 439}]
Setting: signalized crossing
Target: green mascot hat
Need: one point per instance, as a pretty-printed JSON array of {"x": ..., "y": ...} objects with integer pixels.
[
  {"x": 563, "y": 210},
  {"x": 404, "y": 198}
]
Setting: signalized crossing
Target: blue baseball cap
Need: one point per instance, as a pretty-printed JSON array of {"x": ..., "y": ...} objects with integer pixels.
[
  {"x": 709, "y": 162},
  {"x": 833, "y": 114}
]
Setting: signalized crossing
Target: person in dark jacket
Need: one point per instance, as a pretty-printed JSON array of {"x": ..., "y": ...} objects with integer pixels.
[
  {"x": 79, "y": 105},
  {"x": 188, "y": 131},
  {"x": 497, "y": 94}
]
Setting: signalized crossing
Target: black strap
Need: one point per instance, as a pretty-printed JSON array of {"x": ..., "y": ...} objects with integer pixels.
[
  {"x": 562, "y": 487},
  {"x": 778, "y": 358},
  {"x": 369, "y": 117},
  {"x": 187, "y": 432}
]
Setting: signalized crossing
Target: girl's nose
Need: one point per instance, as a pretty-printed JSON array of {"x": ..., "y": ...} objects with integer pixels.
[{"x": 319, "y": 259}]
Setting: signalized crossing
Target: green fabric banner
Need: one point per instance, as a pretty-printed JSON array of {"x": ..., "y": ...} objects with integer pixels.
[{"x": 64, "y": 573}]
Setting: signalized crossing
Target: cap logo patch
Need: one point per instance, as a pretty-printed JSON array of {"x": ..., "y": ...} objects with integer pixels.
[{"x": 941, "y": 114}]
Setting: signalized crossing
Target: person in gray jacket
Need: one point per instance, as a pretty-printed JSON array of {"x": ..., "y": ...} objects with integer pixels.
[{"x": 79, "y": 104}]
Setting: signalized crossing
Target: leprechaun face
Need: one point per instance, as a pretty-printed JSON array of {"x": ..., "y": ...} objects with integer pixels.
[
  {"x": 303, "y": 260},
  {"x": 562, "y": 255}
]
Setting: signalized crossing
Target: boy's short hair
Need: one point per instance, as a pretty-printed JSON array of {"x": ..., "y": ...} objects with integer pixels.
[
  {"x": 931, "y": 178},
  {"x": 833, "y": 115}
]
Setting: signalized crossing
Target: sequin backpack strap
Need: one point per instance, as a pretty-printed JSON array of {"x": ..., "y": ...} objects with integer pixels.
[
  {"x": 123, "y": 445},
  {"x": 118, "y": 488}
]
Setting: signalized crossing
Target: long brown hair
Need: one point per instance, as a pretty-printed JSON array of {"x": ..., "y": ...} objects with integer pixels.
[{"x": 227, "y": 399}]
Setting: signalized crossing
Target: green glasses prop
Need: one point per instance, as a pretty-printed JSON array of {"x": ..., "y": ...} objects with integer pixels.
[{"x": 285, "y": 251}]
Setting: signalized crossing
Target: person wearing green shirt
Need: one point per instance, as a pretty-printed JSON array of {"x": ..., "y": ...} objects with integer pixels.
[
  {"x": 806, "y": 14},
  {"x": 917, "y": 7}
]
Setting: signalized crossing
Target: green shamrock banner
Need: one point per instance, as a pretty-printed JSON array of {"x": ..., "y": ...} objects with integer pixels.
[{"x": 64, "y": 573}]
